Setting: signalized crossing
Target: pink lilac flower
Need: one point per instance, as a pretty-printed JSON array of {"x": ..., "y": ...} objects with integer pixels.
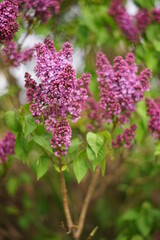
[
  {"x": 61, "y": 136},
  {"x": 131, "y": 26},
  {"x": 59, "y": 94},
  {"x": 126, "y": 138},
  {"x": 7, "y": 146},
  {"x": 124, "y": 20},
  {"x": 14, "y": 56},
  {"x": 142, "y": 19},
  {"x": 8, "y": 16},
  {"x": 153, "y": 111},
  {"x": 41, "y": 9},
  {"x": 156, "y": 15},
  {"x": 120, "y": 87}
]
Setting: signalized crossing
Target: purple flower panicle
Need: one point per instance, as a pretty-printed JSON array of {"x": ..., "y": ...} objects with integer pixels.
[
  {"x": 142, "y": 19},
  {"x": 156, "y": 15},
  {"x": 124, "y": 20},
  {"x": 61, "y": 137},
  {"x": 131, "y": 26},
  {"x": 153, "y": 111},
  {"x": 7, "y": 146},
  {"x": 59, "y": 94},
  {"x": 14, "y": 57},
  {"x": 120, "y": 87},
  {"x": 41, "y": 9},
  {"x": 126, "y": 138},
  {"x": 8, "y": 16}
]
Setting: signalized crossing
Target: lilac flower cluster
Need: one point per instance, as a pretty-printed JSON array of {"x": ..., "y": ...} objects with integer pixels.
[
  {"x": 156, "y": 15},
  {"x": 126, "y": 138},
  {"x": 13, "y": 56},
  {"x": 131, "y": 26},
  {"x": 153, "y": 111},
  {"x": 41, "y": 9},
  {"x": 59, "y": 94},
  {"x": 7, "y": 146},
  {"x": 8, "y": 16},
  {"x": 120, "y": 87}
]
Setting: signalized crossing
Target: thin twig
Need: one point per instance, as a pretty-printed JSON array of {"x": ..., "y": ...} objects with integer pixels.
[
  {"x": 65, "y": 200},
  {"x": 86, "y": 203},
  {"x": 92, "y": 233}
]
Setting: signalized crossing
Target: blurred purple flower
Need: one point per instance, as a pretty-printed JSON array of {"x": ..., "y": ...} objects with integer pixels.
[
  {"x": 153, "y": 111},
  {"x": 14, "y": 57},
  {"x": 7, "y": 146}
]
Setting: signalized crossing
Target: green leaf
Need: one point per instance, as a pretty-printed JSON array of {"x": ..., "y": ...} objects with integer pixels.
[
  {"x": 30, "y": 125},
  {"x": 95, "y": 141},
  {"x": 74, "y": 145},
  {"x": 108, "y": 137},
  {"x": 43, "y": 141},
  {"x": 12, "y": 121},
  {"x": 80, "y": 166},
  {"x": 152, "y": 32},
  {"x": 137, "y": 237},
  {"x": 21, "y": 147},
  {"x": 146, "y": 219},
  {"x": 149, "y": 4},
  {"x": 12, "y": 185},
  {"x": 130, "y": 215},
  {"x": 42, "y": 166},
  {"x": 100, "y": 156},
  {"x": 157, "y": 149}
]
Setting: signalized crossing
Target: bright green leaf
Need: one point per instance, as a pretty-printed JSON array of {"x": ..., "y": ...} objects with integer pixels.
[
  {"x": 80, "y": 166},
  {"x": 43, "y": 141},
  {"x": 42, "y": 166},
  {"x": 95, "y": 141},
  {"x": 74, "y": 145},
  {"x": 21, "y": 147},
  {"x": 12, "y": 121},
  {"x": 30, "y": 125},
  {"x": 157, "y": 149}
]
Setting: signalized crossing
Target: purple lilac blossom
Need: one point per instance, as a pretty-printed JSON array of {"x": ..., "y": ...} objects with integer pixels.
[
  {"x": 153, "y": 111},
  {"x": 142, "y": 19},
  {"x": 14, "y": 57},
  {"x": 41, "y": 9},
  {"x": 156, "y": 15},
  {"x": 124, "y": 20},
  {"x": 8, "y": 16},
  {"x": 126, "y": 138},
  {"x": 7, "y": 146},
  {"x": 120, "y": 87},
  {"x": 131, "y": 26},
  {"x": 59, "y": 94}
]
